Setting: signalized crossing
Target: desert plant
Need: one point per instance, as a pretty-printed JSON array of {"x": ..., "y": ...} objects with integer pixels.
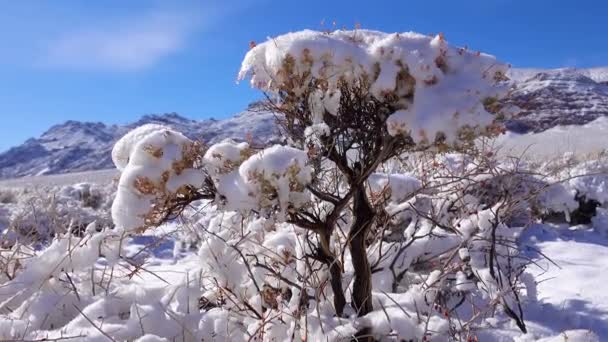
[
  {"x": 350, "y": 103},
  {"x": 7, "y": 196}
]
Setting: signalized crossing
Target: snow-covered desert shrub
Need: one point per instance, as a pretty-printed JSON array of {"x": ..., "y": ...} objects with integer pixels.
[
  {"x": 289, "y": 220},
  {"x": 7, "y": 196},
  {"x": 36, "y": 215},
  {"x": 158, "y": 172},
  {"x": 578, "y": 187}
]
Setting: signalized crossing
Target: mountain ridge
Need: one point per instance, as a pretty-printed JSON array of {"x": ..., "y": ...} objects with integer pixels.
[
  {"x": 547, "y": 97},
  {"x": 557, "y": 97},
  {"x": 76, "y": 146}
]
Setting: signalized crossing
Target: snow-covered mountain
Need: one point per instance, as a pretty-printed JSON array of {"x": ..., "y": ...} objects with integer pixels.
[
  {"x": 548, "y": 98},
  {"x": 82, "y": 146},
  {"x": 598, "y": 74}
]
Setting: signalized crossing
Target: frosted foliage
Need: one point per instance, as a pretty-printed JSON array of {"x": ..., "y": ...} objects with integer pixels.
[
  {"x": 592, "y": 187},
  {"x": 277, "y": 175},
  {"x": 396, "y": 186},
  {"x": 121, "y": 153},
  {"x": 316, "y": 132},
  {"x": 557, "y": 198},
  {"x": 222, "y": 161},
  {"x": 225, "y": 156},
  {"x": 160, "y": 163},
  {"x": 440, "y": 88},
  {"x": 273, "y": 178},
  {"x": 35, "y": 216}
]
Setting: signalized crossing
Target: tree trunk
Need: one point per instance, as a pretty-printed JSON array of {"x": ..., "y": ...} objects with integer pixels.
[
  {"x": 335, "y": 272},
  {"x": 362, "y": 287}
]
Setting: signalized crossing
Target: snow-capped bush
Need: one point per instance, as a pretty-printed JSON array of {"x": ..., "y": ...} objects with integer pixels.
[
  {"x": 7, "y": 196},
  {"x": 158, "y": 166},
  {"x": 350, "y": 101},
  {"x": 577, "y": 187},
  {"x": 277, "y": 175},
  {"x": 436, "y": 89},
  {"x": 35, "y": 216}
]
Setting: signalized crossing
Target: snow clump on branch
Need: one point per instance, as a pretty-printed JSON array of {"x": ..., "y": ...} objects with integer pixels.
[
  {"x": 250, "y": 180},
  {"x": 157, "y": 164}
]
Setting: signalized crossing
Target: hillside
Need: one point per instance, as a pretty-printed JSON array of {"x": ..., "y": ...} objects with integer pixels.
[
  {"x": 84, "y": 146},
  {"x": 558, "y": 97}
]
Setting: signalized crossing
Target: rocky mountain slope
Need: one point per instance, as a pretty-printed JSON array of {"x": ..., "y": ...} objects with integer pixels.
[
  {"x": 598, "y": 74},
  {"x": 82, "y": 146},
  {"x": 558, "y": 97},
  {"x": 547, "y": 97}
]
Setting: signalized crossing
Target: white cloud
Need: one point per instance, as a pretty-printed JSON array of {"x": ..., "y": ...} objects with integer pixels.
[{"x": 129, "y": 44}]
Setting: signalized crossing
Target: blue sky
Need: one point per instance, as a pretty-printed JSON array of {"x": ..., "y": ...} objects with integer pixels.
[{"x": 115, "y": 60}]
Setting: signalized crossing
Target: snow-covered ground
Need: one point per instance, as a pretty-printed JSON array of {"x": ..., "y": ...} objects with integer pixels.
[
  {"x": 570, "y": 266},
  {"x": 571, "y": 292},
  {"x": 94, "y": 177},
  {"x": 572, "y": 302},
  {"x": 598, "y": 74},
  {"x": 588, "y": 139}
]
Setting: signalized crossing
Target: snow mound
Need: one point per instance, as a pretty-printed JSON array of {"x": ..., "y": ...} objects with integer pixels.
[{"x": 584, "y": 140}]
